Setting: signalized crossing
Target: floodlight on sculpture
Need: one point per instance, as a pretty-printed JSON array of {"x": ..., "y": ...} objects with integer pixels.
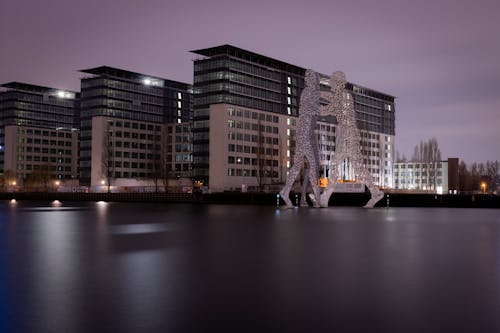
[
  {"x": 306, "y": 147},
  {"x": 348, "y": 156}
]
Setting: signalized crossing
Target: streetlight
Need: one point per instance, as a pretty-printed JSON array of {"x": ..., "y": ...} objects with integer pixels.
[{"x": 483, "y": 186}]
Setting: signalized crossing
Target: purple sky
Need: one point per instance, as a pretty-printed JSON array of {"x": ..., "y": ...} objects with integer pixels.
[{"x": 439, "y": 58}]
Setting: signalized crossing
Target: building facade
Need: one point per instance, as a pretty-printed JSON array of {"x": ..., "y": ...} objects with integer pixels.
[
  {"x": 245, "y": 109},
  {"x": 125, "y": 122},
  {"x": 38, "y": 133},
  {"x": 245, "y": 117},
  {"x": 438, "y": 177}
]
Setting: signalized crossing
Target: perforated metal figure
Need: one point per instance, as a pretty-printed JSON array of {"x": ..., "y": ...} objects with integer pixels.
[
  {"x": 306, "y": 145},
  {"x": 348, "y": 150}
]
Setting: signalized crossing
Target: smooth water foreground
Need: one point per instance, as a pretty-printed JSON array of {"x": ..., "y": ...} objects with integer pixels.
[{"x": 118, "y": 267}]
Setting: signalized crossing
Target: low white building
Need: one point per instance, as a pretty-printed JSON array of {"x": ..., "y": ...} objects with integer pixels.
[{"x": 437, "y": 177}]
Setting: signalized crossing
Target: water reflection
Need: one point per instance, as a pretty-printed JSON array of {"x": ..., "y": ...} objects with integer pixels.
[
  {"x": 140, "y": 228},
  {"x": 145, "y": 267},
  {"x": 56, "y": 203}
]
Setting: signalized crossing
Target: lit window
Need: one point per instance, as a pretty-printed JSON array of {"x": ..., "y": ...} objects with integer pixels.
[
  {"x": 289, "y": 80},
  {"x": 179, "y": 95}
]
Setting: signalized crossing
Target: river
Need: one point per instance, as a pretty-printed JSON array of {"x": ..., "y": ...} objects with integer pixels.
[{"x": 120, "y": 267}]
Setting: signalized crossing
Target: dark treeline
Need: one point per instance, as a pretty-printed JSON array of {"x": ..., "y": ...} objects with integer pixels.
[{"x": 472, "y": 177}]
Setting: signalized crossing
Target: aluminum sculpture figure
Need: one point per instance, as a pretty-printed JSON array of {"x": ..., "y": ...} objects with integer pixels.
[
  {"x": 306, "y": 146},
  {"x": 347, "y": 148}
]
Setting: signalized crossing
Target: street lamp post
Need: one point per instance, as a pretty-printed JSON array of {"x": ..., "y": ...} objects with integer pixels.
[{"x": 483, "y": 187}]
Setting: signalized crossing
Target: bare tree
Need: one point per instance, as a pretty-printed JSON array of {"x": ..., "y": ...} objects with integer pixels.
[
  {"x": 40, "y": 178},
  {"x": 260, "y": 157},
  {"x": 401, "y": 158},
  {"x": 428, "y": 154},
  {"x": 493, "y": 173},
  {"x": 464, "y": 177},
  {"x": 475, "y": 176},
  {"x": 166, "y": 159},
  {"x": 434, "y": 157},
  {"x": 6, "y": 178},
  {"x": 107, "y": 156},
  {"x": 156, "y": 160},
  {"x": 282, "y": 162}
]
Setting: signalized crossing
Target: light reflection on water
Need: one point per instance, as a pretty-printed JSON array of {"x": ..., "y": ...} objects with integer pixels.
[{"x": 146, "y": 267}]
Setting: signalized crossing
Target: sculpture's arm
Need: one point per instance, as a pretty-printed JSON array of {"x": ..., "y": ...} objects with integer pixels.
[
  {"x": 325, "y": 110},
  {"x": 326, "y": 95}
]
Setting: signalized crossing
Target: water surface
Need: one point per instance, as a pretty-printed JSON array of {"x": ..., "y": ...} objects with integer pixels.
[{"x": 120, "y": 267}]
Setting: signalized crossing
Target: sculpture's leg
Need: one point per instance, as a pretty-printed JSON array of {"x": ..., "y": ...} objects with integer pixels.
[
  {"x": 376, "y": 195},
  {"x": 303, "y": 201},
  {"x": 313, "y": 179},
  {"x": 327, "y": 193},
  {"x": 292, "y": 175},
  {"x": 332, "y": 179}
]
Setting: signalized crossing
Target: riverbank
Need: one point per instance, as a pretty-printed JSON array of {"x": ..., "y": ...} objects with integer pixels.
[{"x": 268, "y": 199}]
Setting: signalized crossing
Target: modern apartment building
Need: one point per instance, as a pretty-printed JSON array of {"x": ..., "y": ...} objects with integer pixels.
[
  {"x": 38, "y": 132},
  {"x": 437, "y": 177},
  {"x": 245, "y": 116},
  {"x": 245, "y": 109},
  {"x": 127, "y": 119}
]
